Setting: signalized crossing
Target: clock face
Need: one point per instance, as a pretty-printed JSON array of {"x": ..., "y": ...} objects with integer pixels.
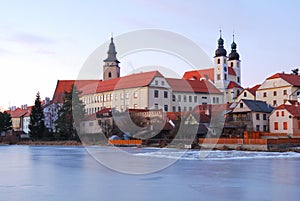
[{"x": 225, "y": 69}]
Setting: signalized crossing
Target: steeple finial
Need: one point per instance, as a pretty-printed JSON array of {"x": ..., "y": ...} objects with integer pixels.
[{"x": 220, "y": 32}]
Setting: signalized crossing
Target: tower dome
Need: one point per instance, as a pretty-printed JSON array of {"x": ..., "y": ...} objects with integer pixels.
[
  {"x": 233, "y": 54},
  {"x": 220, "y": 51}
]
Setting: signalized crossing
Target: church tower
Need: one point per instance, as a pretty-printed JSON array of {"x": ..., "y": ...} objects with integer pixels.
[
  {"x": 221, "y": 67},
  {"x": 234, "y": 61},
  {"x": 111, "y": 67}
]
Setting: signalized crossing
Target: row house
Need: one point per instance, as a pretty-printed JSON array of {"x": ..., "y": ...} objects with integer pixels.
[
  {"x": 249, "y": 115},
  {"x": 20, "y": 118},
  {"x": 279, "y": 88},
  {"x": 286, "y": 118}
]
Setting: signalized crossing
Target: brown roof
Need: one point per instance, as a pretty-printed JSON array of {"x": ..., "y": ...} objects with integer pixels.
[
  {"x": 196, "y": 86},
  {"x": 290, "y": 78}
]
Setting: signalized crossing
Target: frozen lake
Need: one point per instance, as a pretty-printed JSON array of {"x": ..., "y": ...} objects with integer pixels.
[{"x": 31, "y": 173}]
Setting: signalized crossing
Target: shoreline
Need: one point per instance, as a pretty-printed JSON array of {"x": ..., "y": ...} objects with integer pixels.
[{"x": 79, "y": 144}]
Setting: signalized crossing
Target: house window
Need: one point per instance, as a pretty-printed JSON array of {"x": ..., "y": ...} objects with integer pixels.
[
  {"x": 285, "y": 126},
  {"x": 276, "y": 126},
  {"x": 204, "y": 97},
  {"x": 166, "y": 108},
  {"x": 116, "y": 96},
  {"x": 265, "y": 94},
  {"x": 284, "y": 92},
  {"x": 155, "y": 93},
  {"x": 245, "y": 94},
  {"x": 265, "y": 128},
  {"x": 238, "y": 79},
  {"x": 173, "y": 97},
  {"x": 190, "y": 99},
  {"x": 237, "y": 92},
  {"x": 218, "y": 61},
  {"x": 127, "y": 95},
  {"x": 224, "y": 61},
  {"x": 214, "y": 100},
  {"x": 257, "y": 127},
  {"x": 190, "y": 108},
  {"x": 109, "y": 74},
  {"x": 225, "y": 76},
  {"x": 165, "y": 94},
  {"x": 277, "y": 114},
  {"x": 135, "y": 94},
  {"x": 184, "y": 108},
  {"x": 156, "y": 82},
  {"x": 162, "y": 83},
  {"x": 179, "y": 98},
  {"x": 218, "y": 76},
  {"x": 195, "y": 99},
  {"x": 184, "y": 98},
  {"x": 174, "y": 109},
  {"x": 274, "y": 93},
  {"x": 257, "y": 116},
  {"x": 231, "y": 64},
  {"x": 274, "y": 102},
  {"x": 241, "y": 105},
  {"x": 264, "y": 116},
  {"x": 179, "y": 109},
  {"x": 282, "y": 113}
]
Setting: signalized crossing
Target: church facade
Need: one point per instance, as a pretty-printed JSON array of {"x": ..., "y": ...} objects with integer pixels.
[{"x": 225, "y": 74}]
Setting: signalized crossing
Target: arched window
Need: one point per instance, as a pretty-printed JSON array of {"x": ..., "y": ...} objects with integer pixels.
[
  {"x": 218, "y": 61},
  {"x": 109, "y": 74}
]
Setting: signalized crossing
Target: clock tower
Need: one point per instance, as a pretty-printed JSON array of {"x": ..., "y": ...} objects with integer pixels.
[
  {"x": 111, "y": 67},
  {"x": 221, "y": 66}
]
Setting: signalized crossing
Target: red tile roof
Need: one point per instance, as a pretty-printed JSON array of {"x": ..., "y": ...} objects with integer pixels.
[
  {"x": 129, "y": 81},
  {"x": 231, "y": 71},
  {"x": 233, "y": 84},
  {"x": 197, "y": 74},
  {"x": 196, "y": 86},
  {"x": 252, "y": 90},
  {"x": 63, "y": 86},
  {"x": 19, "y": 112},
  {"x": 293, "y": 109},
  {"x": 290, "y": 78}
]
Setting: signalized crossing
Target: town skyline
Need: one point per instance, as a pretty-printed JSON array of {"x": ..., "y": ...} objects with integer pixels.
[{"x": 33, "y": 47}]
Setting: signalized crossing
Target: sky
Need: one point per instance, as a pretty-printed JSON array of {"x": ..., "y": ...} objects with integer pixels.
[{"x": 44, "y": 41}]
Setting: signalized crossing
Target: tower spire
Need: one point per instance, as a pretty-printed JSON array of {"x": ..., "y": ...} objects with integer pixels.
[
  {"x": 220, "y": 51},
  {"x": 233, "y": 54}
]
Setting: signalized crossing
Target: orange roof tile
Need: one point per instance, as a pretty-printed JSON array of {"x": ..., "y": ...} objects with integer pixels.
[
  {"x": 290, "y": 78},
  {"x": 19, "y": 112},
  {"x": 196, "y": 86},
  {"x": 197, "y": 74},
  {"x": 231, "y": 71},
  {"x": 233, "y": 84},
  {"x": 293, "y": 109}
]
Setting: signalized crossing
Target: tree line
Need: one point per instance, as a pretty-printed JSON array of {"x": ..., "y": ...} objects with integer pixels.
[{"x": 67, "y": 126}]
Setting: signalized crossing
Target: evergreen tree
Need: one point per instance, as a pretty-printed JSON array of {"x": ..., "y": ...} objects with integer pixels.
[
  {"x": 5, "y": 122},
  {"x": 70, "y": 115},
  {"x": 37, "y": 126}
]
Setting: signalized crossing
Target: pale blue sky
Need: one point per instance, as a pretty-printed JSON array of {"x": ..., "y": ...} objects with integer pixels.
[{"x": 54, "y": 38}]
